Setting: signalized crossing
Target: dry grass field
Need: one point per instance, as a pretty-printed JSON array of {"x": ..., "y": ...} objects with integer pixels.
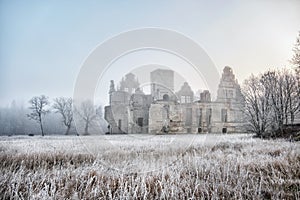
[{"x": 148, "y": 167}]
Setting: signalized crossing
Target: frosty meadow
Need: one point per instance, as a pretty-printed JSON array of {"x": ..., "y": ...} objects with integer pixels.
[{"x": 149, "y": 167}]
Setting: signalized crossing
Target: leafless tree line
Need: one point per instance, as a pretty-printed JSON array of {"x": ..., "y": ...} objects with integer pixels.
[
  {"x": 272, "y": 99},
  {"x": 58, "y": 117}
]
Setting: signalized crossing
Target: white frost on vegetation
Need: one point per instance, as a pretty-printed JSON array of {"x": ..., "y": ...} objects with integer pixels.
[{"x": 149, "y": 167}]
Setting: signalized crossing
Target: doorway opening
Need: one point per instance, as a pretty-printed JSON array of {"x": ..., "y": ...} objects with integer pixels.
[
  {"x": 140, "y": 121},
  {"x": 224, "y": 130}
]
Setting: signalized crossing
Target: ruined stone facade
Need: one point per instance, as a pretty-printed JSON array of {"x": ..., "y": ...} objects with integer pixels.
[{"x": 170, "y": 112}]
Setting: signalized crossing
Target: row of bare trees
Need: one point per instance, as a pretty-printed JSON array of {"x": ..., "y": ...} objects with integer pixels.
[
  {"x": 40, "y": 108},
  {"x": 272, "y": 99}
]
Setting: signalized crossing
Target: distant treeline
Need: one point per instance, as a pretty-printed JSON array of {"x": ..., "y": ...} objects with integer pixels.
[{"x": 40, "y": 116}]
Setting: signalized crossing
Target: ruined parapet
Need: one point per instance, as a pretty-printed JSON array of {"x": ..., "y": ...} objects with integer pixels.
[
  {"x": 119, "y": 98},
  {"x": 205, "y": 96},
  {"x": 129, "y": 83},
  {"x": 185, "y": 94}
]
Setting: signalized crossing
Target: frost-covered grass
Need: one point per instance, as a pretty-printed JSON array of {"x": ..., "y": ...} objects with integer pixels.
[{"x": 148, "y": 167}]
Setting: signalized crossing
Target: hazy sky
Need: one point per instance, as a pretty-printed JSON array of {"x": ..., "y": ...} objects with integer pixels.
[{"x": 44, "y": 43}]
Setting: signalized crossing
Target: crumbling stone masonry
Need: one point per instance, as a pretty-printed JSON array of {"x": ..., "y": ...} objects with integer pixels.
[{"x": 167, "y": 112}]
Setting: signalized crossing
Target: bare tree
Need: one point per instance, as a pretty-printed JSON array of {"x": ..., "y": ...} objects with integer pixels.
[
  {"x": 87, "y": 113},
  {"x": 291, "y": 87},
  {"x": 296, "y": 57},
  {"x": 99, "y": 111},
  {"x": 39, "y": 109},
  {"x": 284, "y": 89},
  {"x": 296, "y": 61},
  {"x": 63, "y": 106},
  {"x": 273, "y": 82},
  {"x": 272, "y": 100},
  {"x": 257, "y": 105}
]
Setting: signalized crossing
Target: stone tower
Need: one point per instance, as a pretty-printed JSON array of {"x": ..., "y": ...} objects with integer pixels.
[{"x": 229, "y": 89}]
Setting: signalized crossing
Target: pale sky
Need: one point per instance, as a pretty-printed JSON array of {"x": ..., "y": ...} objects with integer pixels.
[{"x": 43, "y": 44}]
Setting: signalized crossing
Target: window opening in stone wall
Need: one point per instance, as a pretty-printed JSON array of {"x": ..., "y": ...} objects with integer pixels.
[
  {"x": 182, "y": 99},
  {"x": 199, "y": 116},
  {"x": 188, "y": 99},
  {"x": 166, "y": 97},
  {"x": 224, "y": 115},
  {"x": 188, "y": 117},
  {"x": 209, "y": 113},
  {"x": 120, "y": 124}
]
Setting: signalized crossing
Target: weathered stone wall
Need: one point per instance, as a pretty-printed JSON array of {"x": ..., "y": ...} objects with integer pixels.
[
  {"x": 155, "y": 118},
  {"x": 179, "y": 115},
  {"x": 140, "y": 113},
  {"x": 162, "y": 83},
  {"x": 117, "y": 114}
]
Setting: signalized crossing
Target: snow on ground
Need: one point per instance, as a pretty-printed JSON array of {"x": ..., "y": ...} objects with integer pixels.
[{"x": 149, "y": 166}]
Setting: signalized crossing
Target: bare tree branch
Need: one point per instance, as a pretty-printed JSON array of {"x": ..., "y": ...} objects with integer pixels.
[{"x": 87, "y": 113}]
